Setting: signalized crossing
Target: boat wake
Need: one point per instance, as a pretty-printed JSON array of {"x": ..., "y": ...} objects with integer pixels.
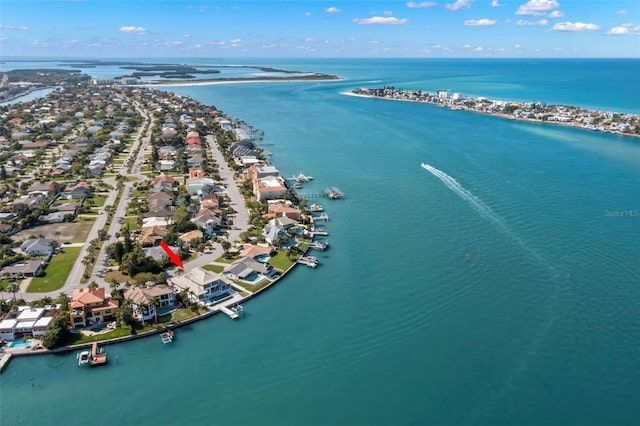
[
  {"x": 475, "y": 202},
  {"x": 484, "y": 210}
]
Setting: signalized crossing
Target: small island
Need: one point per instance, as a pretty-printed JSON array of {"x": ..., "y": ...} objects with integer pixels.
[{"x": 602, "y": 121}]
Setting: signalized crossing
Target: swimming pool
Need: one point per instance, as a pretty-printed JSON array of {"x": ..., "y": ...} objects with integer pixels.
[
  {"x": 253, "y": 278},
  {"x": 166, "y": 310},
  {"x": 262, "y": 258},
  {"x": 19, "y": 344}
]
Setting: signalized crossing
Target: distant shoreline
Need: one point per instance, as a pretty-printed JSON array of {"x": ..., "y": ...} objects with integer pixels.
[
  {"x": 561, "y": 115},
  {"x": 216, "y": 81}
]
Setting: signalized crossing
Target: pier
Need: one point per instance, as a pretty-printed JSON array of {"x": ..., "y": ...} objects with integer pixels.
[
  {"x": 97, "y": 356},
  {"x": 4, "y": 361},
  {"x": 323, "y": 216},
  {"x": 229, "y": 312}
]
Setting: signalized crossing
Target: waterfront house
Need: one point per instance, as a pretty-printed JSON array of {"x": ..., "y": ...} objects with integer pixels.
[
  {"x": 269, "y": 188},
  {"x": 252, "y": 251},
  {"x": 26, "y": 321},
  {"x": 283, "y": 209},
  {"x": 273, "y": 231},
  {"x": 203, "y": 286},
  {"x": 247, "y": 269},
  {"x": 142, "y": 300},
  {"x": 91, "y": 306}
]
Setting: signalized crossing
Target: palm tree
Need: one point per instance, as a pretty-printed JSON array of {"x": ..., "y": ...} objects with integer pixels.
[
  {"x": 155, "y": 302},
  {"x": 13, "y": 288}
]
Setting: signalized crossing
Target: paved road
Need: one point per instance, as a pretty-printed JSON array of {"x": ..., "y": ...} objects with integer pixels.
[
  {"x": 240, "y": 219},
  {"x": 74, "y": 277}
]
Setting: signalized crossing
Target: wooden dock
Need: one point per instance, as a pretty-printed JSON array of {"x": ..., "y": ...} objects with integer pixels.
[{"x": 97, "y": 357}]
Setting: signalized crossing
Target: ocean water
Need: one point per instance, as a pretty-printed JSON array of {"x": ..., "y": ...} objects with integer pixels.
[{"x": 498, "y": 286}]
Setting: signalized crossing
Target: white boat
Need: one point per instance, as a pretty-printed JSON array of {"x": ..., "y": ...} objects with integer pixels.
[
  {"x": 83, "y": 357},
  {"x": 319, "y": 245},
  {"x": 316, "y": 207},
  {"x": 167, "y": 336}
]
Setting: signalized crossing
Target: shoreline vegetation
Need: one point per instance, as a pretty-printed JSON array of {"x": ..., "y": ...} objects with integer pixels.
[{"x": 623, "y": 124}]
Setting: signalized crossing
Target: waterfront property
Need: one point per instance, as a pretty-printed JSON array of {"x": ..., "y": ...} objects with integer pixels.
[
  {"x": 602, "y": 121},
  {"x": 91, "y": 306},
  {"x": 26, "y": 321},
  {"x": 149, "y": 301},
  {"x": 202, "y": 286}
]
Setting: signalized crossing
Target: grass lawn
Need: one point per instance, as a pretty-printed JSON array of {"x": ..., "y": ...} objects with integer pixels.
[
  {"x": 79, "y": 338},
  {"x": 138, "y": 194},
  {"x": 214, "y": 268},
  {"x": 223, "y": 259},
  {"x": 253, "y": 288},
  {"x": 57, "y": 271},
  {"x": 132, "y": 222},
  {"x": 280, "y": 261},
  {"x": 116, "y": 275},
  {"x": 98, "y": 200}
]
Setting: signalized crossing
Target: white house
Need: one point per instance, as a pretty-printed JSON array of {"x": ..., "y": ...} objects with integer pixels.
[
  {"x": 142, "y": 299},
  {"x": 204, "y": 286},
  {"x": 26, "y": 321}
]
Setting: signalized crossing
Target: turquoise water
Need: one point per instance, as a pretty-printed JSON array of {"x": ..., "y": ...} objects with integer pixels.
[
  {"x": 20, "y": 344},
  {"x": 493, "y": 290}
]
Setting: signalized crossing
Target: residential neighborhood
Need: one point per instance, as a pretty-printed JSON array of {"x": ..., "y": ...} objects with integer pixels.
[{"x": 119, "y": 178}]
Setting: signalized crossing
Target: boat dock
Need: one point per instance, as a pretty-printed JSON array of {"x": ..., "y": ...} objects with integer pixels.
[
  {"x": 309, "y": 261},
  {"x": 321, "y": 233},
  {"x": 322, "y": 216},
  {"x": 97, "y": 356},
  {"x": 4, "y": 361},
  {"x": 229, "y": 312}
]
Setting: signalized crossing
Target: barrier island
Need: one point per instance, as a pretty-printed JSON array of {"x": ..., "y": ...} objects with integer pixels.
[{"x": 601, "y": 121}]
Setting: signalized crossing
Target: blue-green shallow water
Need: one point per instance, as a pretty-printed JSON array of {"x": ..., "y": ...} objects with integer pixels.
[{"x": 511, "y": 299}]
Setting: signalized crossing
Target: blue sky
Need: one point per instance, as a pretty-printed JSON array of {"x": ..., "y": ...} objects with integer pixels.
[{"x": 450, "y": 28}]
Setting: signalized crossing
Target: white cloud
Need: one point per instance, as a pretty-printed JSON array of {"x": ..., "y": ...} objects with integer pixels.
[
  {"x": 236, "y": 42},
  {"x": 425, "y": 50},
  {"x": 186, "y": 35},
  {"x": 621, "y": 12},
  {"x": 419, "y": 5},
  {"x": 467, "y": 46},
  {"x": 494, "y": 3},
  {"x": 310, "y": 40},
  {"x": 14, "y": 27},
  {"x": 536, "y": 7},
  {"x": 332, "y": 9},
  {"x": 556, "y": 14},
  {"x": 574, "y": 26},
  {"x": 132, "y": 29},
  {"x": 381, "y": 20},
  {"x": 523, "y": 23},
  {"x": 479, "y": 22},
  {"x": 459, "y": 4},
  {"x": 308, "y": 14},
  {"x": 624, "y": 29},
  {"x": 478, "y": 49},
  {"x": 517, "y": 46},
  {"x": 387, "y": 13},
  {"x": 500, "y": 49}
]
